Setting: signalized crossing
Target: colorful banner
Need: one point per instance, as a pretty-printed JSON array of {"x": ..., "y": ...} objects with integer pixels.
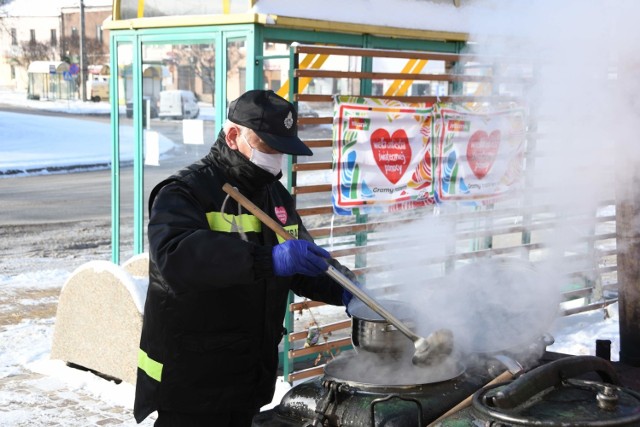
[
  {"x": 391, "y": 156},
  {"x": 480, "y": 155}
]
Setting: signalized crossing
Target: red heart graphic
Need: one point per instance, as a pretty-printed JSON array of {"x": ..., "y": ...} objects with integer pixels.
[
  {"x": 482, "y": 151},
  {"x": 391, "y": 153},
  {"x": 281, "y": 214}
]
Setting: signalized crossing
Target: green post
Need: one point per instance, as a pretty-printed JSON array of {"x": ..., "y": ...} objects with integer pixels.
[
  {"x": 115, "y": 159},
  {"x": 287, "y": 364},
  {"x": 138, "y": 157}
]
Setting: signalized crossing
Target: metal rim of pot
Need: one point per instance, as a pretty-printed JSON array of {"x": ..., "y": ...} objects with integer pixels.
[{"x": 337, "y": 371}]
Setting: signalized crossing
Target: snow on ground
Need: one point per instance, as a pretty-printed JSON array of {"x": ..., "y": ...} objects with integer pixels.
[
  {"x": 25, "y": 347},
  {"x": 38, "y": 391}
]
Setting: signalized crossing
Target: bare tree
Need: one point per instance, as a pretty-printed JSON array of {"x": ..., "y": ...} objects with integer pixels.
[
  {"x": 33, "y": 51},
  {"x": 96, "y": 51}
]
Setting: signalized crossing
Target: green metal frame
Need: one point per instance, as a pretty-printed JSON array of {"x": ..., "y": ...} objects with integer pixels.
[
  {"x": 366, "y": 87},
  {"x": 255, "y": 36},
  {"x": 217, "y": 35},
  {"x": 115, "y": 158}
]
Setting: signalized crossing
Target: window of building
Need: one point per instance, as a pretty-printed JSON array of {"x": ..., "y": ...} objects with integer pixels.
[
  {"x": 32, "y": 39},
  {"x": 54, "y": 38},
  {"x": 14, "y": 37},
  {"x": 99, "y": 33},
  {"x": 74, "y": 33},
  {"x": 13, "y": 72}
]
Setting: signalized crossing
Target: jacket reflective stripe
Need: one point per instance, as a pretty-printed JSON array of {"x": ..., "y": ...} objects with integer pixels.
[
  {"x": 150, "y": 366},
  {"x": 223, "y": 222},
  {"x": 291, "y": 229}
]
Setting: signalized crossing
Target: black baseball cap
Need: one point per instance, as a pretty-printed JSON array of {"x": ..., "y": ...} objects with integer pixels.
[{"x": 272, "y": 118}]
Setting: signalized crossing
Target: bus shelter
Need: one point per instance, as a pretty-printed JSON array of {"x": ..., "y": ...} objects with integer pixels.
[
  {"x": 50, "y": 80},
  {"x": 217, "y": 50}
]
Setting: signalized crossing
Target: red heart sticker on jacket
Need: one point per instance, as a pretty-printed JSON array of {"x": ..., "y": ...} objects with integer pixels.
[
  {"x": 392, "y": 153},
  {"x": 482, "y": 151},
  {"x": 281, "y": 214}
]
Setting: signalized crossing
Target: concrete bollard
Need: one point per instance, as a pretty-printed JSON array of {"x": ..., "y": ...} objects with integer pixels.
[{"x": 99, "y": 319}]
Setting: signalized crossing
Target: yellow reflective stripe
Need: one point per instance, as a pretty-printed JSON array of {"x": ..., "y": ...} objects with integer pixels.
[
  {"x": 150, "y": 366},
  {"x": 291, "y": 229},
  {"x": 222, "y": 222}
]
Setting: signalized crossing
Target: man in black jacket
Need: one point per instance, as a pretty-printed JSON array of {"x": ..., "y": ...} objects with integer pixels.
[{"x": 219, "y": 279}]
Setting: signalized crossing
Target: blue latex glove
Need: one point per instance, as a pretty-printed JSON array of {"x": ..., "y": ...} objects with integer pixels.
[
  {"x": 346, "y": 299},
  {"x": 299, "y": 257}
]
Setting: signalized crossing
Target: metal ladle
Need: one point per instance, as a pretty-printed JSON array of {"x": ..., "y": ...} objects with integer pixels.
[{"x": 429, "y": 350}]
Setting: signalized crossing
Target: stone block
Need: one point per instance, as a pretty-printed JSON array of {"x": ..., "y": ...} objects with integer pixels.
[
  {"x": 138, "y": 265},
  {"x": 99, "y": 319}
]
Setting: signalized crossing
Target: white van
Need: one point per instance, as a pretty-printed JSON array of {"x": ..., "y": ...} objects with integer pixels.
[
  {"x": 98, "y": 88},
  {"x": 178, "y": 104}
]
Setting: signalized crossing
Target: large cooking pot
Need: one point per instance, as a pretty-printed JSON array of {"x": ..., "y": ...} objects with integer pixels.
[
  {"x": 371, "y": 333},
  {"x": 558, "y": 394}
]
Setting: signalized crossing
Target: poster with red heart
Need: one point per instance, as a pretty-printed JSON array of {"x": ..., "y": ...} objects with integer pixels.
[
  {"x": 378, "y": 147},
  {"x": 480, "y": 155},
  {"x": 391, "y": 156}
]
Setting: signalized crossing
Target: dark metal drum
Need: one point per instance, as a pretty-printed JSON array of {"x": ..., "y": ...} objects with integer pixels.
[
  {"x": 553, "y": 396},
  {"x": 370, "y": 396}
]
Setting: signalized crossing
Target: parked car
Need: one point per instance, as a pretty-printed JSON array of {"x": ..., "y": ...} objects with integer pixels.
[
  {"x": 98, "y": 88},
  {"x": 178, "y": 104},
  {"x": 145, "y": 99}
]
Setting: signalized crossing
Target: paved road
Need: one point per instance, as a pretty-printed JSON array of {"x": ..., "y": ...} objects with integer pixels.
[
  {"x": 78, "y": 196},
  {"x": 54, "y": 198}
]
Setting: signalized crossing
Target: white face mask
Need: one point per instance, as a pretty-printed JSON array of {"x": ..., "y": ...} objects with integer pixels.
[{"x": 272, "y": 163}]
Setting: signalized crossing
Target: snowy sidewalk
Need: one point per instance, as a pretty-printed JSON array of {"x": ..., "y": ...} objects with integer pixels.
[{"x": 35, "y": 390}]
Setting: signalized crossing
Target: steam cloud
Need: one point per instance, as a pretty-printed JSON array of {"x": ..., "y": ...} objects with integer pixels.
[{"x": 585, "y": 100}]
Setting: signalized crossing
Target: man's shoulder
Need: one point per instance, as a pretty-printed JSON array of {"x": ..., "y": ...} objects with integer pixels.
[{"x": 196, "y": 175}]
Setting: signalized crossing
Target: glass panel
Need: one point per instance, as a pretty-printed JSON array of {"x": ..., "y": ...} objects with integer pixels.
[
  {"x": 276, "y": 69},
  {"x": 236, "y": 68},
  {"x": 127, "y": 143},
  {"x": 178, "y": 115}
]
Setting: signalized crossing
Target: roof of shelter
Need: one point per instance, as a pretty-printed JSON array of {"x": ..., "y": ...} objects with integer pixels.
[
  {"x": 432, "y": 19},
  {"x": 45, "y": 67}
]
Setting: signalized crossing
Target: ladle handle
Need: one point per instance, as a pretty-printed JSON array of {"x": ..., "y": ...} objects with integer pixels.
[{"x": 331, "y": 272}]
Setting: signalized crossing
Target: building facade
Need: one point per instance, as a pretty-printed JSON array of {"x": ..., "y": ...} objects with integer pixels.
[{"x": 51, "y": 33}]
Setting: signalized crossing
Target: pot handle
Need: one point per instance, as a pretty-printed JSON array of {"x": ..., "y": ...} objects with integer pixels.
[
  {"x": 551, "y": 375},
  {"x": 374, "y": 402}
]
